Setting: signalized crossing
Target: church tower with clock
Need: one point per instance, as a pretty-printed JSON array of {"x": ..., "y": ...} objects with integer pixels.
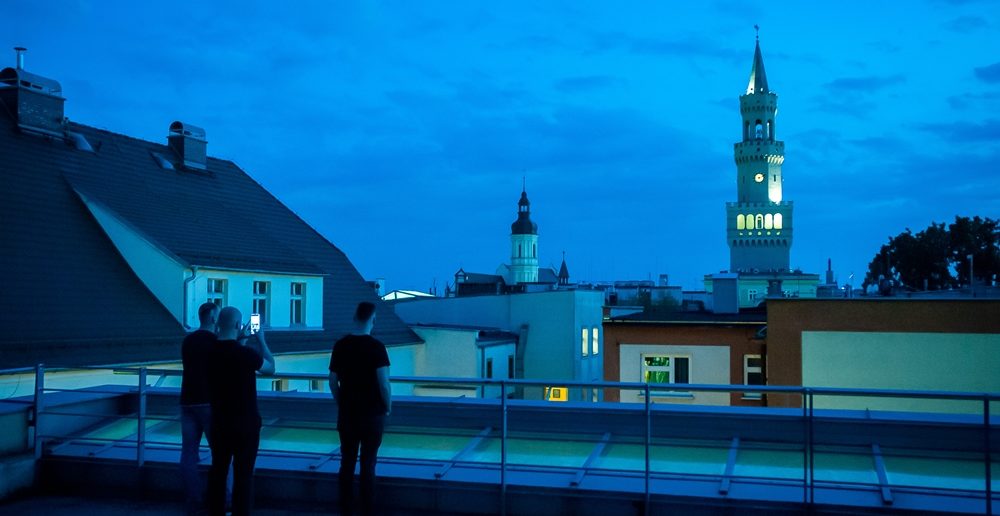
[{"x": 759, "y": 223}]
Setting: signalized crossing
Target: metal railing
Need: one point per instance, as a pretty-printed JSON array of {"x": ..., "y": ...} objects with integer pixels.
[{"x": 39, "y": 409}]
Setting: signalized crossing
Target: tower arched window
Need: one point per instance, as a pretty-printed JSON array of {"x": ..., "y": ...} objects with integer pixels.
[
  {"x": 758, "y": 221},
  {"x": 770, "y": 130},
  {"x": 746, "y": 130},
  {"x": 741, "y": 222},
  {"x": 777, "y": 221},
  {"x": 759, "y": 131},
  {"x": 768, "y": 221},
  {"x": 518, "y": 250},
  {"x": 534, "y": 250}
]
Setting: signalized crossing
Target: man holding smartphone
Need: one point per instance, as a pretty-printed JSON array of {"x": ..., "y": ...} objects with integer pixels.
[
  {"x": 235, "y": 418},
  {"x": 359, "y": 381}
]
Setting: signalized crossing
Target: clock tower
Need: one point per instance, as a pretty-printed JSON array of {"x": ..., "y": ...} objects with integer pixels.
[{"x": 759, "y": 223}]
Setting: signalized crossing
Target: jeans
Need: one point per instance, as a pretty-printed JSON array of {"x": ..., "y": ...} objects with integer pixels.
[
  {"x": 195, "y": 421},
  {"x": 364, "y": 433},
  {"x": 236, "y": 446}
]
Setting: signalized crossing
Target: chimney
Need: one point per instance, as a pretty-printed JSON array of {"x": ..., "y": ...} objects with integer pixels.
[
  {"x": 35, "y": 102},
  {"x": 188, "y": 142}
]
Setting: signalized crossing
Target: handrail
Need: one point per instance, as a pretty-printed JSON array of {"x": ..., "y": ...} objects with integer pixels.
[{"x": 777, "y": 389}]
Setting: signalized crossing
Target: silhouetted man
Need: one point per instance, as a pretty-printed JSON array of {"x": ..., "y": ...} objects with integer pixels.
[
  {"x": 236, "y": 421},
  {"x": 359, "y": 381},
  {"x": 196, "y": 411}
]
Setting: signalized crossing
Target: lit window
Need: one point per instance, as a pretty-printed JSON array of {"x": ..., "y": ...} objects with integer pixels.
[
  {"x": 217, "y": 291},
  {"x": 261, "y": 293},
  {"x": 768, "y": 221},
  {"x": 741, "y": 222},
  {"x": 595, "y": 347},
  {"x": 297, "y": 306},
  {"x": 666, "y": 369},
  {"x": 556, "y": 394},
  {"x": 777, "y": 221},
  {"x": 489, "y": 368},
  {"x": 584, "y": 347},
  {"x": 749, "y": 221},
  {"x": 753, "y": 374}
]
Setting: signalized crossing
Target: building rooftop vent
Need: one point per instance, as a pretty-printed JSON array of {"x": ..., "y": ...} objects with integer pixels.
[
  {"x": 36, "y": 102},
  {"x": 188, "y": 142}
]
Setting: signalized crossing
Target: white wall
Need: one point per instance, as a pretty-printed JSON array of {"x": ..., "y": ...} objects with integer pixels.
[
  {"x": 240, "y": 294},
  {"x": 965, "y": 362},
  {"x": 554, "y": 320},
  {"x": 162, "y": 273},
  {"x": 708, "y": 365}
]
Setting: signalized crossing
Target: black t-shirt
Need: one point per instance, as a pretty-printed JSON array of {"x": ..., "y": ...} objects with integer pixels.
[
  {"x": 354, "y": 359},
  {"x": 233, "y": 385},
  {"x": 195, "y": 351}
]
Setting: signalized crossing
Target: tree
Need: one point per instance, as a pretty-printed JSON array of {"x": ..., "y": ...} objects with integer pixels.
[{"x": 937, "y": 257}]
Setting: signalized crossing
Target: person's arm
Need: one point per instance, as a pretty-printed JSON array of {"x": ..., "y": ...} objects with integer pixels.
[
  {"x": 260, "y": 344},
  {"x": 385, "y": 388},
  {"x": 335, "y": 386}
]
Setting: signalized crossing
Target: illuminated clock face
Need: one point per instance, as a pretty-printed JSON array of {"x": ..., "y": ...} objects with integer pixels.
[{"x": 759, "y": 178}]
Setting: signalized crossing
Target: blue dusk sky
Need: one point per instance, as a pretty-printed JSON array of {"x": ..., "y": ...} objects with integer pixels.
[{"x": 401, "y": 130}]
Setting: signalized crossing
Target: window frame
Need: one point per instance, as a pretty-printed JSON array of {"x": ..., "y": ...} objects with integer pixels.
[
  {"x": 595, "y": 346},
  {"x": 670, "y": 368},
  {"x": 299, "y": 298},
  {"x": 256, "y": 297},
  {"x": 216, "y": 296},
  {"x": 747, "y": 372}
]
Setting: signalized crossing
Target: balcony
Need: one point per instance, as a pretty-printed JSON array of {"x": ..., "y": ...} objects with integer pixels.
[{"x": 519, "y": 456}]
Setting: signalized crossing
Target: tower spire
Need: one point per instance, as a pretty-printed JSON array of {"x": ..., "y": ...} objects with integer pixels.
[{"x": 758, "y": 79}]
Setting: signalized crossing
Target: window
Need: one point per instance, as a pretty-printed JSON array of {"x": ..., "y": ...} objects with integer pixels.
[
  {"x": 584, "y": 347},
  {"x": 741, "y": 222},
  {"x": 666, "y": 369},
  {"x": 297, "y": 308},
  {"x": 261, "y": 293},
  {"x": 217, "y": 291},
  {"x": 489, "y": 368},
  {"x": 751, "y": 295},
  {"x": 768, "y": 221},
  {"x": 317, "y": 385},
  {"x": 518, "y": 250},
  {"x": 534, "y": 250},
  {"x": 777, "y": 221},
  {"x": 510, "y": 366},
  {"x": 595, "y": 347},
  {"x": 279, "y": 385},
  {"x": 556, "y": 394},
  {"x": 753, "y": 374}
]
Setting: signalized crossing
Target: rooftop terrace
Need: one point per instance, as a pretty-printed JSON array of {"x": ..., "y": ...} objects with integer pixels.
[{"x": 517, "y": 456}]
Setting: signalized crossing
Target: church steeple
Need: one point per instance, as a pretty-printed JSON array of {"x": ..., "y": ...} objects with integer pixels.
[
  {"x": 524, "y": 243},
  {"x": 758, "y": 79},
  {"x": 563, "y": 271}
]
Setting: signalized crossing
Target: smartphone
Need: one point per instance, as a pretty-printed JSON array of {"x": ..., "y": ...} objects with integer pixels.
[{"x": 254, "y": 323}]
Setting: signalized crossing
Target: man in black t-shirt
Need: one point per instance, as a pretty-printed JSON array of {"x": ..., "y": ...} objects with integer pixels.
[
  {"x": 359, "y": 381},
  {"x": 196, "y": 412},
  {"x": 235, "y": 418}
]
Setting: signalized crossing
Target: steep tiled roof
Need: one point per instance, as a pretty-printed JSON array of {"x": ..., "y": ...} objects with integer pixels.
[{"x": 70, "y": 298}]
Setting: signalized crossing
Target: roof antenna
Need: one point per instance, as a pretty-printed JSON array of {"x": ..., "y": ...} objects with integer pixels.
[
  {"x": 20, "y": 57},
  {"x": 524, "y": 183},
  {"x": 756, "y": 29}
]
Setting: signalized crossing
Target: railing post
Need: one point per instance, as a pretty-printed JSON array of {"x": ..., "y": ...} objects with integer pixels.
[
  {"x": 140, "y": 436},
  {"x": 39, "y": 407},
  {"x": 649, "y": 442},
  {"x": 503, "y": 449},
  {"x": 806, "y": 434},
  {"x": 812, "y": 448},
  {"x": 989, "y": 454}
]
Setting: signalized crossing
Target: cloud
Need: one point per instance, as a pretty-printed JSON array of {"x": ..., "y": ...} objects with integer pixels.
[
  {"x": 988, "y": 73},
  {"x": 974, "y": 100},
  {"x": 851, "y": 107},
  {"x": 586, "y": 83},
  {"x": 966, "y": 24},
  {"x": 686, "y": 46},
  {"x": 966, "y": 132},
  {"x": 867, "y": 84}
]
